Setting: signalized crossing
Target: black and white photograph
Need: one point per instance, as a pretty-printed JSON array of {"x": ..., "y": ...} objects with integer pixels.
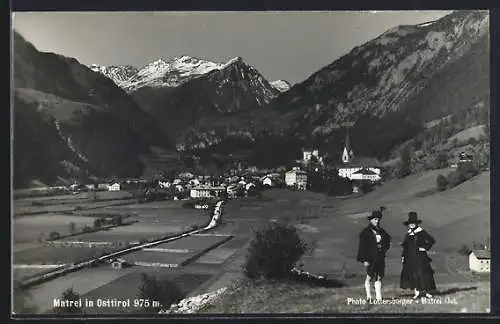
[{"x": 250, "y": 162}]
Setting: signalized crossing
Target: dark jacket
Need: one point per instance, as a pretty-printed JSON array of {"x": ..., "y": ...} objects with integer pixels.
[
  {"x": 423, "y": 240},
  {"x": 417, "y": 272},
  {"x": 367, "y": 250}
]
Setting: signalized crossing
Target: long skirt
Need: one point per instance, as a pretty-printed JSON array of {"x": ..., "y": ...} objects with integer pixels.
[{"x": 417, "y": 273}]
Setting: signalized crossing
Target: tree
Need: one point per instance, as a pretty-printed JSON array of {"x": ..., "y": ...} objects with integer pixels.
[
  {"x": 273, "y": 252},
  {"x": 72, "y": 228},
  {"x": 117, "y": 220},
  {"x": 97, "y": 223},
  {"x": 441, "y": 182},
  {"x": 69, "y": 296},
  {"x": 162, "y": 291},
  {"x": 404, "y": 167},
  {"x": 441, "y": 160}
]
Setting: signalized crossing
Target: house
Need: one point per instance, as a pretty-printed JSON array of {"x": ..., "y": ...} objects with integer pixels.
[
  {"x": 164, "y": 184},
  {"x": 296, "y": 178},
  {"x": 206, "y": 192},
  {"x": 114, "y": 187},
  {"x": 268, "y": 181},
  {"x": 249, "y": 186},
  {"x": 194, "y": 182},
  {"x": 479, "y": 261},
  {"x": 365, "y": 174},
  {"x": 102, "y": 186},
  {"x": 90, "y": 186}
]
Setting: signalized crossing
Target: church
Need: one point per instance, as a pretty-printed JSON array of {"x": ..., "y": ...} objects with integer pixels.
[{"x": 358, "y": 168}]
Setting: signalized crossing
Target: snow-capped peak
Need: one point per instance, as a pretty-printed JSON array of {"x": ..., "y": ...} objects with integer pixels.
[
  {"x": 164, "y": 73},
  {"x": 281, "y": 85}
]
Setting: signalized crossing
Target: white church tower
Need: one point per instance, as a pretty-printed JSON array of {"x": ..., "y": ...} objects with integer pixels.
[{"x": 347, "y": 154}]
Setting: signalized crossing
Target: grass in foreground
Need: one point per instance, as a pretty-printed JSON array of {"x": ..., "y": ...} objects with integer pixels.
[{"x": 300, "y": 298}]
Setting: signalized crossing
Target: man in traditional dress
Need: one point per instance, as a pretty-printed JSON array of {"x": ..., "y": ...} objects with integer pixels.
[{"x": 373, "y": 245}]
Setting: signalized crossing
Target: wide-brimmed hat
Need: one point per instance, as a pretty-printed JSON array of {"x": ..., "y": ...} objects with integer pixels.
[
  {"x": 412, "y": 219},
  {"x": 375, "y": 214}
]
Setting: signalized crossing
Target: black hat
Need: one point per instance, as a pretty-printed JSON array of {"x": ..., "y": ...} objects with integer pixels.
[
  {"x": 412, "y": 219},
  {"x": 375, "y": 214}
]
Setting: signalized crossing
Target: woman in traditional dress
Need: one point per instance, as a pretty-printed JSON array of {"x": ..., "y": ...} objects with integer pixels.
[
  {"x": 417, "y": 273},
  {"x": 374, "y": 242}
]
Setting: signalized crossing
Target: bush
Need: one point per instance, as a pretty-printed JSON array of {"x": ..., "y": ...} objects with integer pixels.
[
  {"x": 54, "y": 235},
  {"x": 441, "y": 182},
  {"x": 69, "y": 295},
  {"x": 72, "y": 227},
  {"x": 454, "y": 179},
  {"x": 97, "y": 223},
  {"x": 87, "y": 229},
  {"x": 466, "y": 170},
  {"x": 117, "y": 220},
  {"x": 441, "y": 160},
  {"x": 273, "y": 252},
  {"x": 165, "y": 292}
]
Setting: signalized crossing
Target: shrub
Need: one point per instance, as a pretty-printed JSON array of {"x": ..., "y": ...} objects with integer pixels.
[
  {"x": 87, "y": 229},
  {"x": 441, "y": 160},
  {"x": 97, "y": 223},
  {"x": 273, "y": 252},
  {"x": 72, "y": 227},
  {"x": 117, "y": 219},
  {"x": 454, "y": 179},
  {"x": 403, "y": 168},
  {"x": 54, "y": 235},
  {"x": 69, "y": 295},
  {"x": 165, "y": 292},
  {"x": 441, "y": 182},
  {"x": 466, "y": 170}
]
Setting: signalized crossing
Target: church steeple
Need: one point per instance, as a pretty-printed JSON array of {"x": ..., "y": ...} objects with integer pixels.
[{"x": 347, "y": 153}]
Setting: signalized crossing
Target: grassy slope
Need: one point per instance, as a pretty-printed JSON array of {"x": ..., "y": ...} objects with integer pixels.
[
  {"x": 299, "y": 298},
  {"x": 454, "y": 217}
]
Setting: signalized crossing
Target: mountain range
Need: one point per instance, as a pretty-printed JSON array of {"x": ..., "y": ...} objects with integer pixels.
[{"x": 388, "y": 87}]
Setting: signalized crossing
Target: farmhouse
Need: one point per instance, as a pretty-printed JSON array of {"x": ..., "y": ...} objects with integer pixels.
[
  {"x": 114, "y": 187},
  {"x": 206, "y": 192},
  {"x": 365, "y": 174},
  {"x": 267, "y": 181},
  {"x": 479, "y": 261},
  {"x": 296, "y": 178}
]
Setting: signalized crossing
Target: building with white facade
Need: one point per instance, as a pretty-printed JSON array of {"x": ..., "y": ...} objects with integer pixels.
[
  {"x": 479, "y": 261},
  {"x": 296, "y": 179},
  {"x": 114, "y": 187},
  {"x": 206, "y": 192}
]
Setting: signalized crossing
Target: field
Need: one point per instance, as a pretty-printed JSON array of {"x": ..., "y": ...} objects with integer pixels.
[
  {"x": 301, "y": 298},
  {"x": 473, "y": 132},
  {"x": 29, "y": 229},
  {"x": 127, "y": 287},
  {"x": 329, "y": 225},
  {"x": 57, "y": 255}
]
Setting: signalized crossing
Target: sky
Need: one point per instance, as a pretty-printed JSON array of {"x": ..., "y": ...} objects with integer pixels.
[{"x": 281, "y": 45}]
